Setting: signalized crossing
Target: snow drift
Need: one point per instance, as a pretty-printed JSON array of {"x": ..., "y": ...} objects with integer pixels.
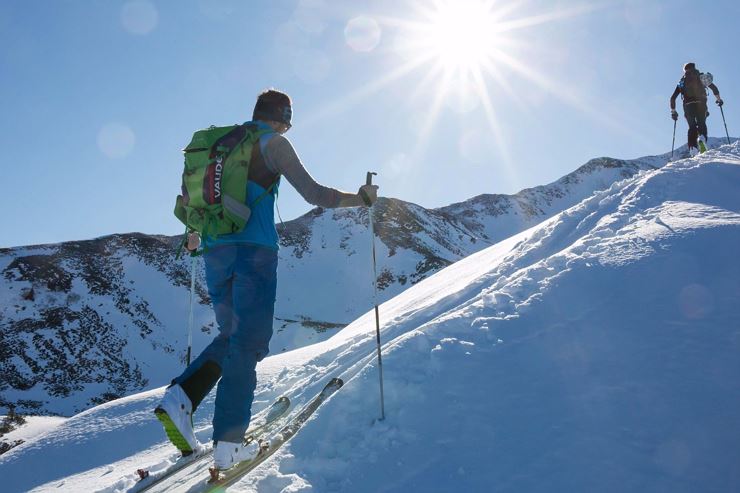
[
  {"x": 86, "y": 322},
  {"x": 596, "y": 351}
]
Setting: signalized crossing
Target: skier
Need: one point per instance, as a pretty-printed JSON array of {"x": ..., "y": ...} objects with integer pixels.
[
  {"x": 241, "y": 272},
  {"x": 692, "y": 88}
]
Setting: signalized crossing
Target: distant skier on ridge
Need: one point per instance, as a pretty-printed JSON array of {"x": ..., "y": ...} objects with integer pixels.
[
  {"x": 241, "y": 274},
  {"x": 693, "y": 90}
]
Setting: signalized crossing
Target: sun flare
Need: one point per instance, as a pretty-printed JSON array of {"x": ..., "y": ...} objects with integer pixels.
[
  {"x": 472, "y": 55},
  {"x": 466, "y": 55},
  {"x": 461, "y": 36}
]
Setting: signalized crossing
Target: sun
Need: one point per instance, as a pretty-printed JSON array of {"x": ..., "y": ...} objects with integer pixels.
[
  {"x": 467, "y": 55},
  {"x": 460, "y": 36}
]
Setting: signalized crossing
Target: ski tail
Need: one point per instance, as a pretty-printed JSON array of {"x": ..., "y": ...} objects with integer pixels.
[
  {"x": 223, "y": 479},
  {"x": 271, "y": 419}
]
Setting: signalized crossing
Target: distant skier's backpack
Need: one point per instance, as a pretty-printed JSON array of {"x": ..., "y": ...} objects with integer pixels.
[
  {"x": 693, "y": 86},
  {"x": 214, "y": 180}
]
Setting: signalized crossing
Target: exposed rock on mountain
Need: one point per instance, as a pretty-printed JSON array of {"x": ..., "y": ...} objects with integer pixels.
[{"x": 88, "y": 321}]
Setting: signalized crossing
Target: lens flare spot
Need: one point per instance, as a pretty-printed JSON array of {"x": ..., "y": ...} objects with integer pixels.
[
  {"x": 116, "y": 140},
  {"x": 362, "y": 34},
  {"x": 139, "y": 17},
  {"x": 310, "y": 16}
]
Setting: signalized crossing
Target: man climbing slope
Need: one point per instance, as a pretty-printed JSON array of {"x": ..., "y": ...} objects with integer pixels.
[
  {"x": 241, "y": 274},
  {"x": 693, "y": 90}
]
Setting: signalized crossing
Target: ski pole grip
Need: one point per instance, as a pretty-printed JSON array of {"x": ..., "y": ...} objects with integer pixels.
[{"x": 369, "y": 178}]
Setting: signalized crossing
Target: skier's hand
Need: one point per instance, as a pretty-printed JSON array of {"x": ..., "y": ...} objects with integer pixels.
[
  {"x": 674, "y": 115},
  {"x": 720, "y": 102},
  {"x": 193, "y": 242},
  {"x": 369, "y": 194}
]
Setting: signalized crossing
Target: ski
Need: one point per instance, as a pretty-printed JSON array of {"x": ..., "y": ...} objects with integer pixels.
[
  {"x": 149, "y": 480},
  {"x": 222, "y": 479}
]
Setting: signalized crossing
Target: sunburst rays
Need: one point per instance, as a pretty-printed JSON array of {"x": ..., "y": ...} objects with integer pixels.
[{"x": 466, "y": 49}]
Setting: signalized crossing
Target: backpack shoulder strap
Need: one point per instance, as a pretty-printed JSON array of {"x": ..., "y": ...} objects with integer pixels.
[
  {"x": 259, "y": 173},
  {"x": 230, "y": 141}
]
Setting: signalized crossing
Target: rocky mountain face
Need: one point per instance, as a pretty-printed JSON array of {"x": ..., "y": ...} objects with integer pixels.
[
  {"x": 70, "y": 314},
  {"x": 85, "y": 322}
]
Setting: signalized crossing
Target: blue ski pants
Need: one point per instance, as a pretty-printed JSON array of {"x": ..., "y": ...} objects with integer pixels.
[{"x": 242, "y": 282}]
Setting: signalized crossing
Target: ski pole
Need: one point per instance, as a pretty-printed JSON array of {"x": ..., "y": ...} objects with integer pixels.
[
  {"x": 369, "y": 181},
  {"x": 723, "y": 121},
  {"x": 674, "y": 137},
  {"x": 192, "y": 297}
]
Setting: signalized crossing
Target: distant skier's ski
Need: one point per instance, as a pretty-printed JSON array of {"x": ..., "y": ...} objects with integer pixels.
[
  {"x": 271, "y": 419},
  {"x": 222, "y": 479}
]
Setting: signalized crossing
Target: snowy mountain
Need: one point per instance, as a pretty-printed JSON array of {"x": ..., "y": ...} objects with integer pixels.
[
  {"x": 595, "y": 351},
  {"x": 497, "y": 217},
  {"x": 85, "y": 322}
]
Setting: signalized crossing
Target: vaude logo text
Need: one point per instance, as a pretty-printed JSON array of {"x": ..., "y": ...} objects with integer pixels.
[{"x": 217, "y": 178}]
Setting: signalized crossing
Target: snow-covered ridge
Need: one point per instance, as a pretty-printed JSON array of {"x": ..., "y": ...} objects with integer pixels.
[
  {"x": 532, "y": 205},
  {"x": 85, "y": 322},
  {"x": 596, "y": 351}
]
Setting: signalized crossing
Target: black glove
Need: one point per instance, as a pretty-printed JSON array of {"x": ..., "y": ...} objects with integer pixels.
[
  {"x": 720, "y": 102},
  {"x": 674, "y": 115},
  {"x": 369, "y": 194}
]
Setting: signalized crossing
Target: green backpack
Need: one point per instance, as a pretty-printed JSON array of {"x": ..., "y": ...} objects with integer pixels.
[{"x": 214, "y": 181}]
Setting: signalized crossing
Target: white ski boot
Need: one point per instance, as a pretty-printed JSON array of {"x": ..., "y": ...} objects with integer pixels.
[
  {"x": 228, "y": 454},
  {"x": 702, "y": 141},
  {"x": 175, "y": 413}
]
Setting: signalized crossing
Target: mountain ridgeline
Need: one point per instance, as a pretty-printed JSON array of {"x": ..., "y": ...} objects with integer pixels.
[{"x": 85, "y": 322}]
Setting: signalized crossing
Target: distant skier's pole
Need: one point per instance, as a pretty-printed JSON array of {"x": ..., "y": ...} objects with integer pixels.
[
  {"x": 369, "y": 181},
  {"x": 192, "y": 299},
  {"x": 674, "y": 137},
  {"x": 723, "y": 121}
]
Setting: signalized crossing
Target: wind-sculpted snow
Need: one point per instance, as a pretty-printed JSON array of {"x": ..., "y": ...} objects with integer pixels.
[
  {"x": 596, "y": 351},
  {"x": 85, "y": 322}
]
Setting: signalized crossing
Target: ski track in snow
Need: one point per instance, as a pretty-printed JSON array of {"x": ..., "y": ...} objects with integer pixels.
[
  {"x": 596, "y": 351},
  {"x": 145, "y": 324}
]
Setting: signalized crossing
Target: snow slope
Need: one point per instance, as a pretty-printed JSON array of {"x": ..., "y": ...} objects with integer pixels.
[
  {"x": 86, "y": 322},
  {"x": 495, "y": 216},
  {"x": 596, "y": 351}
]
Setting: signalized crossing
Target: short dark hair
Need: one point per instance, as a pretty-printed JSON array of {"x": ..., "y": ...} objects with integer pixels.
[
  {"x": 689, "y": 66},
  {"x": 273, "y": 105}
]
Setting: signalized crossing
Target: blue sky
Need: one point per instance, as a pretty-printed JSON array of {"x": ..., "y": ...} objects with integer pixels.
[{"x": 99, "y": 97}]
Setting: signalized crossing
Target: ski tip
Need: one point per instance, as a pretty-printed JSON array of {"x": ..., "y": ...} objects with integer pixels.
[
  {"x": 284, "y": 399},
  {"x": 335, "y": 382}
]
